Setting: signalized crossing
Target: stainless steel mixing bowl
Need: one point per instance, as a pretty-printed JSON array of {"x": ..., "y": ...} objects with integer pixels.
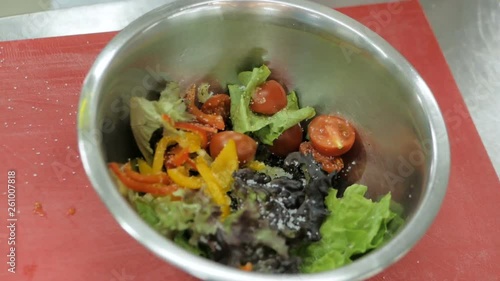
[{"x": 334, "y": 63}]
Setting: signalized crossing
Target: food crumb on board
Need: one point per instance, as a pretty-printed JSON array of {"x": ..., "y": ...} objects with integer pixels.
[
  {"x": 71, "y": 211},
  {"x": 38, "y": 209}
]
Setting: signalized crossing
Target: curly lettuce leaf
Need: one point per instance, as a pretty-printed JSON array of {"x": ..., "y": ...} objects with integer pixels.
[
  {"x": 246, "y": 237},
  {"x": 145, "y": 116},
  {"x": 195, "y": 213},
  {"x": 266, "y": 128},
  {"x": 181, "y": 240},
  {"x": 355, "y": 226},
  {"x": 193, "y": 224},
  {"x": 246, "y": 226}
]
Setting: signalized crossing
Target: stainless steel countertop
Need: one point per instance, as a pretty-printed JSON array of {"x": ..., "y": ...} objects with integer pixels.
[{"x": 468, "y": 33}]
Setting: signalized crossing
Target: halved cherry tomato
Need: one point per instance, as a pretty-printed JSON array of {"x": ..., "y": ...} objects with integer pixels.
[
  {"x": 218, "y": 104},
  {"x": 331, "y": 135},
  {"x": 246, "y": 147},
  {"x": 329, "y": 164},
  {"x": 269, "y": 98},
  {"x": 288, "y": 142}
]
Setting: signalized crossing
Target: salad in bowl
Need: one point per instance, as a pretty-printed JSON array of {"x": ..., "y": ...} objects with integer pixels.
[{"x": 250, "y": 179}]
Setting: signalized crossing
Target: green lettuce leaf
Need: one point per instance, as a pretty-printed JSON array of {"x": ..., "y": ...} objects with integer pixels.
[
  {"x": 355, "y": 226},
  {"x": 203, "y": 93},
  {"x": 145, "y": 116},
  {"x": 147, "y": 212},
  {"x": 171, "y": 103},
  {"x": 284, "y": 119},
  {"x": 195, "y": 212},
  {"x": 275, "y": 172},
  {"x": 266, "y": 128},
  {"x": 244, "y": 120},
  {"x": 193, "y": 224},
  {"x": 144, "y": 120}
]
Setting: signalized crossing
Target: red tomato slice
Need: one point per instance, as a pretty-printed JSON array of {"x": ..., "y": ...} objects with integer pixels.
[
  {"x": 329, "y": 164},
  {"x": 331, "y": 135},
  {"x": 269, "y": 98},
  {"x": 246, "y": 147},
  {"x": 288, "y": 142}
]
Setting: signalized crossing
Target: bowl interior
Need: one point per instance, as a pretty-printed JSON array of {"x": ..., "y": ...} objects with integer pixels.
[
  {"x": 331, "y": 62},
  {"x": 328, "y": 72}
]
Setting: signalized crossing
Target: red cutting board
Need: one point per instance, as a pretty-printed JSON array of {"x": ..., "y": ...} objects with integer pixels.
[{"x": 41, "y": 80}]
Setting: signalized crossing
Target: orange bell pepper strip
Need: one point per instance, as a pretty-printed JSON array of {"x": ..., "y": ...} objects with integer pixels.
[
  {"x": 167, "y": 119},
  {"x": 156, "y": 178},
  {"x": 192, "y": 164},
  {"x": 199, "y": 129},
  {"x": 195, "y": 127},
  {"x": 247, "y": 267},
  {"x": 157, "y": 189},
  {"x": 178, "y": 157},
  {"x": 209, "y": 119}
]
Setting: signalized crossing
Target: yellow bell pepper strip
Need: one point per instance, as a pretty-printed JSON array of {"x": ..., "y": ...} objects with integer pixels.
[
  {"x": 144, "y": 167},
  {"x": 159, "y": 157},
  {"x": 191, "y": 141},
  {"x": 155, "y": 178},
  {"x": 181, "y": 177},
  {"x": 256, "y": 165},
  {"x": 225, "y": 164},
  {"x": 213, "y": 188},
  {"x": 202, "y": 131},
  {"x": 157, "y": 189}
]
